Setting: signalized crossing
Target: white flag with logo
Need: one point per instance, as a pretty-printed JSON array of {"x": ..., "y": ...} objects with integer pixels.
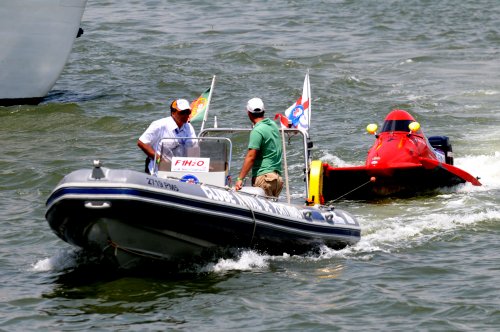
[{"x": 299, "y": 114}]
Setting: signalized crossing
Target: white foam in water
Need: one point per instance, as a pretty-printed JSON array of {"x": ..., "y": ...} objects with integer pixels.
[
  {"x": 248, "y": 260},
  {"x": 481, "y": 92},
  {"x": 415, "y": 229},
  {"x": 334, "y": 160},
  {"x": 62, "y": 260},
  {"x": 413, "y": 226},
  {"x": 417, "y": 224},
  {"x": 487, "y": 167}
]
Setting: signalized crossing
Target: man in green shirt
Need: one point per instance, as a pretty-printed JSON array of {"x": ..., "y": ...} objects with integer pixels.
[{"x": 264, "y": 152}]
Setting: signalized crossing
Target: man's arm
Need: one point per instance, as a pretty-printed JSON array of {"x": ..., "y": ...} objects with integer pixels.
[
  {"x": 247, "y": 166},
  {"x": 148, "y": 150}
]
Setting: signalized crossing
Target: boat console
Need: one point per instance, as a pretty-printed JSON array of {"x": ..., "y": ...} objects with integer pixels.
[{"x": 195, "y": 160}]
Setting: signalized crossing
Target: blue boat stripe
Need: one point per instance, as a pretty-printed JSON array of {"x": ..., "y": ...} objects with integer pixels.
[{"x": 216, "y": 207}]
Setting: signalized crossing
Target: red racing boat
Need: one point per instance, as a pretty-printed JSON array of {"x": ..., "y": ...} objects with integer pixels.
[{"x": 402, "y": 162}]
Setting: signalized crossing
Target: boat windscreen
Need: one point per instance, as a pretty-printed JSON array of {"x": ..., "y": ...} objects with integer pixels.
[
  {"x": 216, "y": 150},
  {"x": 396, "y": 125}
]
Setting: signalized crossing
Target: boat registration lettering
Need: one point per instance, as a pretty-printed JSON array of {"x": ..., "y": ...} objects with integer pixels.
[
  {"x": 190, "y": 164},
  {"x": 218, "y": 195},
  {"x": 265, "y": 204},
  {"x": 289, "y": 211},
  {"x": 249, "y": 202},
  {"x": 162, "y": 184}
]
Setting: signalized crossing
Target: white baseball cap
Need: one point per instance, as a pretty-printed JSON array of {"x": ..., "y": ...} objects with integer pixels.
[
  {"x": 255, "y": 105},
  {"x": 181, "y": 105}
]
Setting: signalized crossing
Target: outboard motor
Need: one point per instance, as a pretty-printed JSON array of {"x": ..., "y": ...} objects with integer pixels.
[{"x": 443, "y": 143}]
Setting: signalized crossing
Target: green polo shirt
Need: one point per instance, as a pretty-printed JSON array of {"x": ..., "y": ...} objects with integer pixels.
[{"x": 265, "y": 137}]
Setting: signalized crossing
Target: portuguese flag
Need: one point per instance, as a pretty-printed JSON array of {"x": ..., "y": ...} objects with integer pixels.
[{"x": 199, "y": 107}]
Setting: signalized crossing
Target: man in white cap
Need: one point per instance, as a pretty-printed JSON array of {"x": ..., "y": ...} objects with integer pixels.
[
  {"x": 174, "y": 126},
  {"x": 264, "y": 152}
]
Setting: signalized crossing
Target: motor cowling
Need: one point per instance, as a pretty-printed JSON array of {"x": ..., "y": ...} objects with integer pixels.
[{"x": 443, "y": 143}]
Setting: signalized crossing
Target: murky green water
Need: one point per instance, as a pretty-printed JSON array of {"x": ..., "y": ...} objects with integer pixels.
[{"x": 424, "y": 264}]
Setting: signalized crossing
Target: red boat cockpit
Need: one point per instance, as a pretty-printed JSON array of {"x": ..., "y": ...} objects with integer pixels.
[{"x": 398, "y": 120}]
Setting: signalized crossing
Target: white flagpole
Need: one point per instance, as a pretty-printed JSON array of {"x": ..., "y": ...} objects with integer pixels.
[
  {"x": 208, "y": 104},
  {"x": 286, "y": 165},
  {"x": 310, "y": 103}
]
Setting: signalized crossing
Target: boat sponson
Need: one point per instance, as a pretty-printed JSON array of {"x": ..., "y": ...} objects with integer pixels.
[
  {"x": 390, "y": 181},
  {"x": 196, "y": 214}
]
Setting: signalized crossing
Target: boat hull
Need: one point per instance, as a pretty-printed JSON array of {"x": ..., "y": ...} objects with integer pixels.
[
  {"x": 402, "y": 162},
  {"x": 37, "y": 38},
  {"x": 363, "y": 183},
  {"x": 130, "y": 216}
]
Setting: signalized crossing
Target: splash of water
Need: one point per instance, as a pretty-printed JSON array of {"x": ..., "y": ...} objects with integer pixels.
[
  {"x": 248, "y": 260},
  {"x": 487, "y": 167},
  {"x": 62, "y": 260}
]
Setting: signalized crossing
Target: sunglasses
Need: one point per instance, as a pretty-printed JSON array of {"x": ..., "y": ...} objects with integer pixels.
[{"x": 184, "y": 112}]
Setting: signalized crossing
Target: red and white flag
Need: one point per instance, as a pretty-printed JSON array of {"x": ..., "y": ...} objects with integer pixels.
[{"x": 299, "y": 114}]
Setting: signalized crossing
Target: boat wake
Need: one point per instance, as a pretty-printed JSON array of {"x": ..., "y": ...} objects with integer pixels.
[
  {"x": 414, "y": 228},
  {"x": 487, "y": 167},
  {"x": 393, "y": 225}
]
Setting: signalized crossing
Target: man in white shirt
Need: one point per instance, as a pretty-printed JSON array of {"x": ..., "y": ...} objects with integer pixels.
[{"x": 174, "y": 126}]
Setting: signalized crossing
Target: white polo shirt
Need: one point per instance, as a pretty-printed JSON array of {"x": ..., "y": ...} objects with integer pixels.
[{"x": 167, "y": 128}]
